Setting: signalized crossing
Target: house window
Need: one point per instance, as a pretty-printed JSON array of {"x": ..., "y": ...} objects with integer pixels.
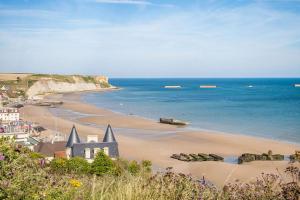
[
  {"x": 96, "y": 150},
  {"x": 87, "y": 153},
  {"x": 106, "y": 150}
]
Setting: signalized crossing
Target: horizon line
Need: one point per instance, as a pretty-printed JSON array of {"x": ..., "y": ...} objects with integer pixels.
[{"x": 154, "y": 77}]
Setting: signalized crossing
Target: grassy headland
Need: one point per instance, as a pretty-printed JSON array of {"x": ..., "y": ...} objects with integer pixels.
[{"x": 19, "y": 84}]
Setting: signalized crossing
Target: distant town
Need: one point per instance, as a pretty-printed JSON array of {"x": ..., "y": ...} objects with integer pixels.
[{"x": 27, "y": 133}]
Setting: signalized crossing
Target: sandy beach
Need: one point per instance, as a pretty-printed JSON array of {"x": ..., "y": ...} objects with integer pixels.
[{"x": 141, "y": 139}]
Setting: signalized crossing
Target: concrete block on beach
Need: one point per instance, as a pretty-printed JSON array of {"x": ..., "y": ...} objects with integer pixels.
[
  {"x": 249, "y": 157},
  {"x": 216, "y": 157},
  {"x": 197, "y": 157},
  {"x": 295, "y": 157}
]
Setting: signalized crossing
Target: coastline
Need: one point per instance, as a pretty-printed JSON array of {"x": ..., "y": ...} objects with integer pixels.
[
  {"x": 157, "y": 142},
  {"x": 194, "y": 129},
  {"x": 187, "y": 128}
]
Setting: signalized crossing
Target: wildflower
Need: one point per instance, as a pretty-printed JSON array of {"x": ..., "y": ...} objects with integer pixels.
[
  {"x": 75, "y": 183},
  {"x": 2, "y": 157},
  {"x": 42, "y": 162}
]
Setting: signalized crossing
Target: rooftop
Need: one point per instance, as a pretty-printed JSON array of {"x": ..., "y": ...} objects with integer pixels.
[{"x": 49, "y": 148}]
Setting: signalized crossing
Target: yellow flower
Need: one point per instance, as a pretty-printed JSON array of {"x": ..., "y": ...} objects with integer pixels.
[{"x": 75, "y": 183}]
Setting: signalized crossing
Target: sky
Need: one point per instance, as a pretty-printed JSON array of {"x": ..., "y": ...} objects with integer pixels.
[{"x": 151, "y": 38}]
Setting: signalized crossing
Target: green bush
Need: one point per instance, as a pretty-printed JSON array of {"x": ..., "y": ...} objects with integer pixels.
[
  {"x": 134, "y": 168},
  {"x": 146, "y": 165},
  {"x": 102, "y": 165},
  {"x": 59, "y": 165},
  {"x": 35, "y": 155},
  {"x": 78, "y": 165},
  {"x": 22, "y": 177}
]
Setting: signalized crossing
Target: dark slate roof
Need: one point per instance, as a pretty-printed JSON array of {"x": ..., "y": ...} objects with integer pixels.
[
  {"x": 48, "y": 148},
  {"x": 78, "y": 149},
  {"x": 73, "y": 138},
  {"x": 109, "y": 135}
]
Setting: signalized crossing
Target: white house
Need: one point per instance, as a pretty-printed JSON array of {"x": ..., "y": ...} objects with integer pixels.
[{"x": 9, "y": 114}]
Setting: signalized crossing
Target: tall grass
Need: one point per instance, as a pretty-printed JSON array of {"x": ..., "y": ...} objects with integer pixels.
[{"x": 23, "y": 176}]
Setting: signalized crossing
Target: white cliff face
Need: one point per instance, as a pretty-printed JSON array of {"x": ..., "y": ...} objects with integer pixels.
[{"x": 44, "y": 86}]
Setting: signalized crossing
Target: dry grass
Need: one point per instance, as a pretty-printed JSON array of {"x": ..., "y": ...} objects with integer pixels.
[{"x": 12, "y": 76}]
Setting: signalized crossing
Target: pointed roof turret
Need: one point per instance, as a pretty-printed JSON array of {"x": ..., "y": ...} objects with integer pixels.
[
  {"x": 109, "y": 135},
  {"x": 73, "y": 138}
]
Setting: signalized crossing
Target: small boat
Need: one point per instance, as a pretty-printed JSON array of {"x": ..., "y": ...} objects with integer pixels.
[
  {"x": 172, "y": 121},
  {"x": 172, "y": 86},
  {"x": 208, "y": 86},
  {"x": 297, "y": 85},
  {"x": 250, "y": 86}
]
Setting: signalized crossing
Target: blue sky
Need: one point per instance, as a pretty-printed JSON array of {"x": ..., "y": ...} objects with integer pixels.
[{"x": 151, "y": 38}]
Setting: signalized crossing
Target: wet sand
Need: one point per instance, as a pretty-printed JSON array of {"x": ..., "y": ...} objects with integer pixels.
[{"x": 141, "y": 139}]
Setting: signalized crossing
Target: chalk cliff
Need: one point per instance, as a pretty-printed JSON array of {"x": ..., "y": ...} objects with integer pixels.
[{"x": 43, "y": 84}]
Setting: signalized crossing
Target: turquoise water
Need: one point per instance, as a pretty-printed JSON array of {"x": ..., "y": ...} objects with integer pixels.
[{"x": 270, "y": 109}]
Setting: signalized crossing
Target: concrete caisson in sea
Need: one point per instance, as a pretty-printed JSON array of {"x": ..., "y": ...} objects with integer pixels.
[
  {"x": 208, "y": 86},
  {"x": 172, "y": 86}
]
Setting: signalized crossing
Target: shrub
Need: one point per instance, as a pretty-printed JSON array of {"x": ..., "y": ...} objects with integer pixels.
[
  {"x": 146, "y": 165},
  {"x": 59, "y": 165},
  {"x": 134, "y": 168},
  {"x": 121, "y": 166},
  {"x": 78, "y": 165},
  {"x": 35, "y": 155},
  {"x": 21, "y": 177},
  {"x": 102, "y": 165}
]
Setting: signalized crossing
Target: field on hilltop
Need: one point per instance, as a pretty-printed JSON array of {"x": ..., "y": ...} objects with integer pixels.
[{"x": 12, "y": 76}]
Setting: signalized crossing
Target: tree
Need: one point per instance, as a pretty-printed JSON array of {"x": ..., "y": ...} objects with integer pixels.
[{"x": 102, "y": 165}]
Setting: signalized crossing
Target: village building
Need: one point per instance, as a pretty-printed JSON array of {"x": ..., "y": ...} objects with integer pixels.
[
  {"x": 51, "y": 149},
  {"x": 91, "y": 147},
  {"x": 22, "y": 138},
  {"x": 8, "y": 115},
  {"x": 74, "y": 147}
]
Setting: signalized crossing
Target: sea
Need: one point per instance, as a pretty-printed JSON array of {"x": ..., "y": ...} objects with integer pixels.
[{"x": 263, "y": 107}]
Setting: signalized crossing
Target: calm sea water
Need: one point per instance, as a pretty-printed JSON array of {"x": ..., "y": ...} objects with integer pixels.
[{"x": 270, "y": 109}]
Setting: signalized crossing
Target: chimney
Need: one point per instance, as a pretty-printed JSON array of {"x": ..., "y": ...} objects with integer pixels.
[{"x": 92, "y": 139}]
